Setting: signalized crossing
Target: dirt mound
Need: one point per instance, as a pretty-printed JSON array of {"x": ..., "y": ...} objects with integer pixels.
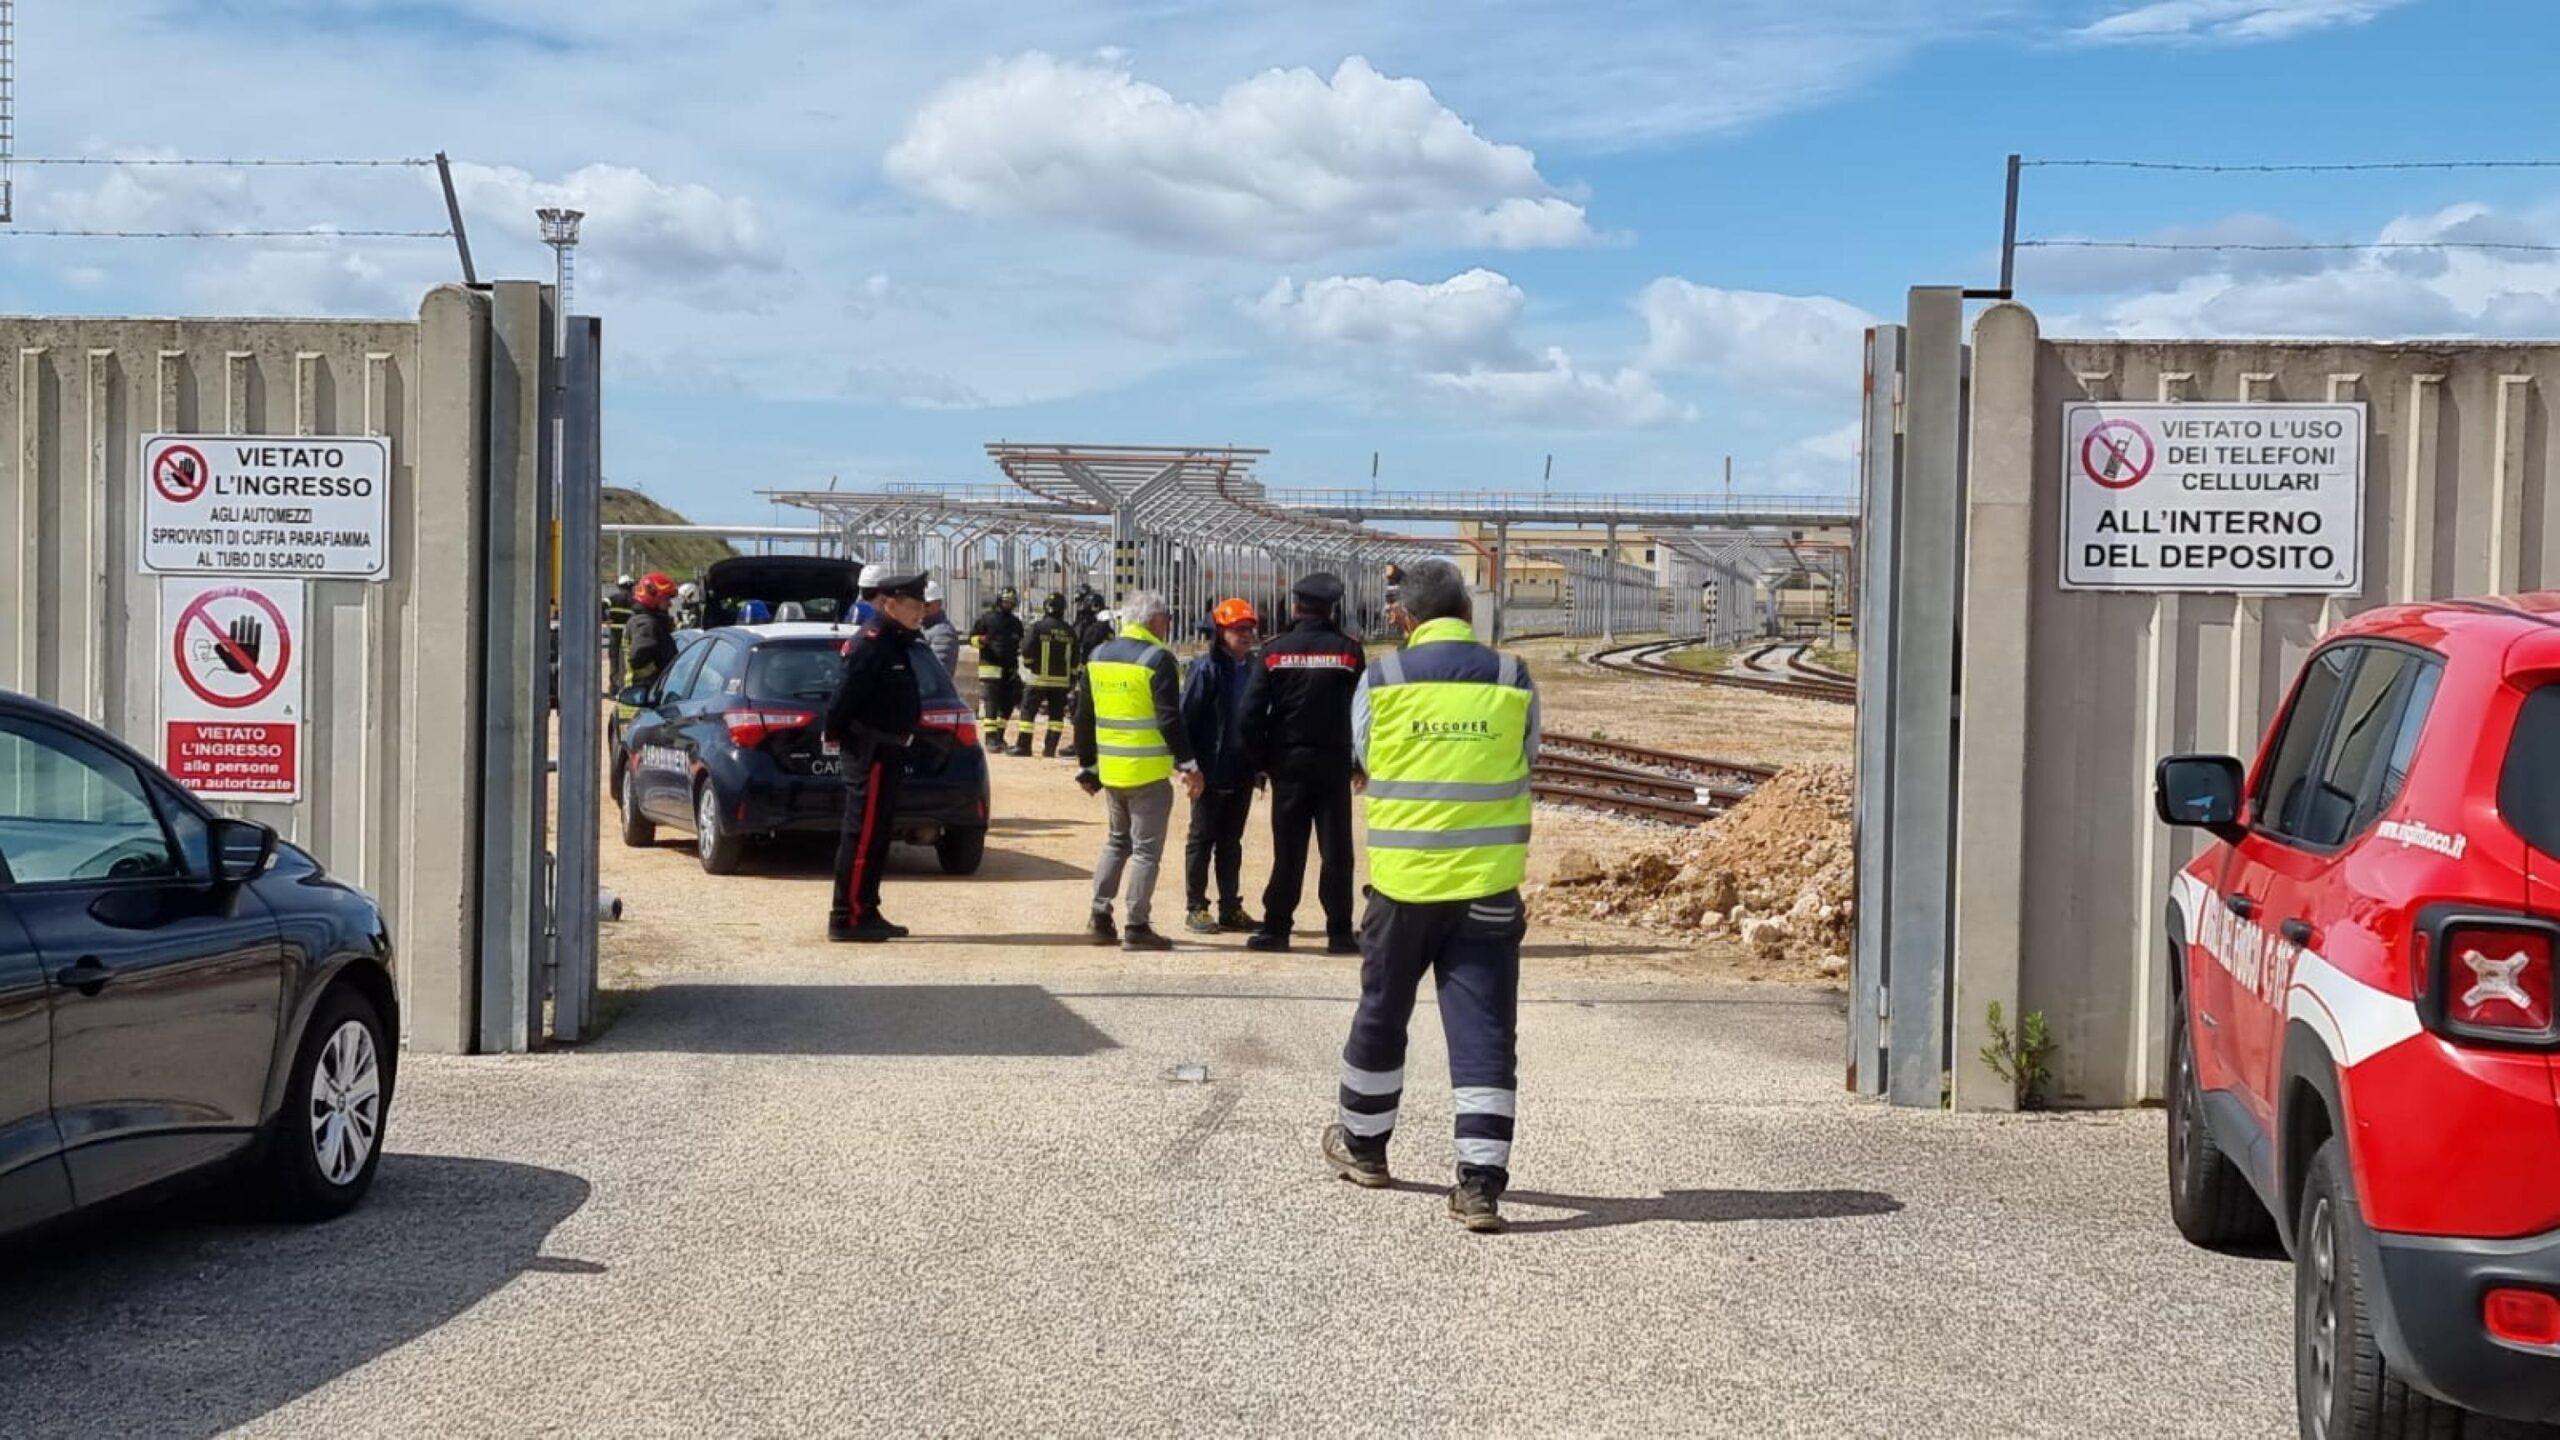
[{"x": 1775, "y": 872}]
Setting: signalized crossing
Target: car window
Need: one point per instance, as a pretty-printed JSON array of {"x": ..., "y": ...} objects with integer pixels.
[
  {"x": 2284, "y": 792},
  {"x": 193, "y": 834},
  {"x": 806, "y": 673},
  {"x": 2529, "y": 784},
  {"x": 933, "y": 683},
  {"x": 2361, "y": 739},
  {"x": 680, "y": 677},
  {"x": 721, "y": 670},
  {"x": 70, "y": 810},
  {"x": 2418, "y": 697}
]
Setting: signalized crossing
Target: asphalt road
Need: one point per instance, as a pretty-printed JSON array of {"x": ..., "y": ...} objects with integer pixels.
[{"x": 948, "y": 1187}]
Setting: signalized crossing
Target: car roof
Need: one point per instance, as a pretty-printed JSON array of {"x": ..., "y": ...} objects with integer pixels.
[{"x": 791, "y": 630}]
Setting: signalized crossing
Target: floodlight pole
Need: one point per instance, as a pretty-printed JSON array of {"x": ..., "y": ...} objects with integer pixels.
[{"x": 560, "y": 232}]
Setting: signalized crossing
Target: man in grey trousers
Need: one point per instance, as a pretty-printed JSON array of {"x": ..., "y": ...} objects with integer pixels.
[{"x": 1130, "y": 743}]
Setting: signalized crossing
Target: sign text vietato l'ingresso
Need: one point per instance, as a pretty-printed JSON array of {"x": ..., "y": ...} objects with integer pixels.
[
  {"x": 2250, "y": 498},
  {"x": 305, "y": 506}
]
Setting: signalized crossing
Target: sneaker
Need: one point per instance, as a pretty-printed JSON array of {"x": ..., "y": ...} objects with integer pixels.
[
  {"x": 1342, "y": 944},
  {"x": 1353, "y": 1160},
  {"x": 1199, "y": 921},
  {"x": 1141, "y": 937},
  {"x": 1233, "y": 919},
  {"x": 873, "y": 931},
  {"x": 1103, "y": 932},
  {"x": 1267, "y": 940},
  {"x": 1474, "y": 1205}
]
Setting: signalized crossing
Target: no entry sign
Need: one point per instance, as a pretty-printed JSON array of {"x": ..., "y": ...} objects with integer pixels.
[
  {"x": 285, "y": 505},
  {"x": 231, "y": 686},
  {"x": 2241, "y": 498}
]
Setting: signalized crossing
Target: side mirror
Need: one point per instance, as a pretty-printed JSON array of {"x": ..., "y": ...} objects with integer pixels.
[
  {"x": 636, "y": 696},
  {"x": 2200, "y": 792},
  {"x": 241, "y": 850}
]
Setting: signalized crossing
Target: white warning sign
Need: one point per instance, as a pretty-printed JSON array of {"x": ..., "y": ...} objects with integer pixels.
[
  {"x": 231, "y": 686},
  {"x": 288, "y": 505},
  {"x": 2244, "y": 498}
]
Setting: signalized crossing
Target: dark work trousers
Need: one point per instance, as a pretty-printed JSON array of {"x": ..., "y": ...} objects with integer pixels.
[
  {"x": 1217, "y": 830},
  {"x": 998, "y": 696},
  {"x": 871, "y": 777},
  {"x": 1472, "y": 948},
  {"x": 1310, "y": 797},
  {"x": 1053, "y": 699}
]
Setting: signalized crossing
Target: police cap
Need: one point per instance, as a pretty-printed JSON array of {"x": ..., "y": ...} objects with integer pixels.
[
  {"x": 909, "y": 586},
  {"x": 1321, "y": 590}
]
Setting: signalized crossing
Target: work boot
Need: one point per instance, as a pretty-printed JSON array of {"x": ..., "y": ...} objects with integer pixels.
[
  {"x": 1267, "y": 940},
  {"x": 1103, "y": 932},
  {"x": 1142, "y": 937},
  {"x": 1362, "y": 1162},
  {"x": 1049, "y": 746},
  {"x": 1233, "y": 919},
  {"x": 1022, "y": 747},
  {"x": 1342, "y": 944},
  {"x": 1199, "y": 921},
  {"x": 871, "y": 931},
  {"x": 1477, "y": 1206}
]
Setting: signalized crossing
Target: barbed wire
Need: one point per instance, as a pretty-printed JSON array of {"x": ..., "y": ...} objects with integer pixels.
[
  {"x": 12, "y": 231},
  {"x": 2201, "y": 167},
  {"x": 241, "y": 164},
  {"x": 2507, "y": 246}
]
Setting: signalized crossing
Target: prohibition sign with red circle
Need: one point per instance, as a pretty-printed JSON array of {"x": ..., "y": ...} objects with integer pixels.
[
  {"x": 264, "y": 681},
  {"x": 2126, "y": 462},
  {"x": 175, "y": 484}
]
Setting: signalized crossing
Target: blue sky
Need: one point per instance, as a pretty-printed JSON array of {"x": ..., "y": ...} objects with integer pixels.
[{"x": 861, "y": 240}]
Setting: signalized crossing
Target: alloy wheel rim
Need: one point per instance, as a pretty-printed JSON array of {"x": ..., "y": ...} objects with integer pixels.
[
  {"x": 346, "y": 1103},
  {"x": 2320, "y": 1251},
  {"x": 706, "y": 814},
  {"x": 2181, "y": 1122}
]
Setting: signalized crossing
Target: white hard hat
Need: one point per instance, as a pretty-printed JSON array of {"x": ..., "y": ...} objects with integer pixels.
[
  {"x": 688, "y": 590},
  {"x": 872, "y": 575},
  {"x": 933, "y": 592},
  {"x": 625, "y": 580}
]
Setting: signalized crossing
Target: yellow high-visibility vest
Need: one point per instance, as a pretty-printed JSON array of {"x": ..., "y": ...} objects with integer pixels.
[
  {"x": 1129, "y": 748},
  {"x": 1448, "y": 793}
]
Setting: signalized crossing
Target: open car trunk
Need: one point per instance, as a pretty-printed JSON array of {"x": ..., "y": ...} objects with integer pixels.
[{"x": 821, "y": 585}]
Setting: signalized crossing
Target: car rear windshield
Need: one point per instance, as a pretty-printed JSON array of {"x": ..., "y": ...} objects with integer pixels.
[
  {"x": 806, "y": 672},
  {"x": 2529, "y": 786}
]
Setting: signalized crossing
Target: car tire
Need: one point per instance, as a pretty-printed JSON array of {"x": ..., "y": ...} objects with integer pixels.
[
  {"x": 326, "y": 1142},
  {"x": 718, "y": 849},
  {"x": 2343, "y": 1387},
  {"x": 2209, "y": 1198},
  {"x": 961, "y": 851},
  {"x": 638, "y": 830}
]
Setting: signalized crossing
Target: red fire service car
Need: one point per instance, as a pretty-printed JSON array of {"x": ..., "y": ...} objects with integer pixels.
[{"x": 2365, "y": 1048}]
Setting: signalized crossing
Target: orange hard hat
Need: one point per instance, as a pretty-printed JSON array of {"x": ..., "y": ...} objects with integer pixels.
[{"x": 1233, "y": 611}]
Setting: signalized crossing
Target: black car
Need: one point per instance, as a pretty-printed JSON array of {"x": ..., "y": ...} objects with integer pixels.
[
  {"x": 727, "y": 746},
  {"x": 179, "y": 991}
]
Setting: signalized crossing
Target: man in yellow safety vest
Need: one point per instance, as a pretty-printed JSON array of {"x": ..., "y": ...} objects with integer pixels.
[
  {"x": 1444, "y": 731},
  {"x": 1130, "y": 742}
]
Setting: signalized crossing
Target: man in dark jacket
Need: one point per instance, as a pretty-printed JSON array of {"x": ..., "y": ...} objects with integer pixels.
[
  {"x": 1212, "y": 698},
  {"x": 649, "y": 638},
  {"x": 1049, "y": 657},
  {"x": 872, "y": 719},
  {"x": 998, "y": 636},
  {"x": 1296, "y": 725}
]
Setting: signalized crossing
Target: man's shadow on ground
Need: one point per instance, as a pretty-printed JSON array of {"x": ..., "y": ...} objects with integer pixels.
[{"x": 1693, "y": 1207}]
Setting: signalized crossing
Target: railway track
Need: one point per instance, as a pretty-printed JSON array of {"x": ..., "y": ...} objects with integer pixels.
[
  {"x": 1798, "y": 677},
  {"x": 1631, "y": 780}
]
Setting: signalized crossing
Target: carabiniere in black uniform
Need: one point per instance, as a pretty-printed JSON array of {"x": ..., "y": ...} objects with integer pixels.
[
  {"x": 874, "y": 717},
  {"x": 1295, "y": 721}
]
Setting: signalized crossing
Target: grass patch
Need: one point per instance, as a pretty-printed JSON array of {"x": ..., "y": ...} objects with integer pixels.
[
  {"x": 1699, "y": 659},
  {"x": 1829, "y": 658}
]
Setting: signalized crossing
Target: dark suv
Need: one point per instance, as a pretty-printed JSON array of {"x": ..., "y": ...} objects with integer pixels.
[
  {"x": 728, "y": 747},
  {"x": 179, "y": 991}
]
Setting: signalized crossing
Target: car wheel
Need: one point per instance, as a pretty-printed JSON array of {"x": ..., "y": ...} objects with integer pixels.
[
  {"x": 2209, "y": 1197},
  {"x": 961, "y": 851},
  {"x": 719, "y": 850},
  {"x": 321, "y": 1155},
  {"x": 2343, "y": 1387},
  {"x": 638, "y": 830}
]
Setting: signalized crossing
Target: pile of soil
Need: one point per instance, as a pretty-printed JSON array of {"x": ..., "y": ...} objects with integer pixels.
[{"x": 1774, "y": 872}]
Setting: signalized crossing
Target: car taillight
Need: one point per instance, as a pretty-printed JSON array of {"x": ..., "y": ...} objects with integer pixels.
[
  {"x": 2528, "y": 1318},
  {"x": 962, "y": 725},
  {"x": 750, "y": 727},
  {"x": 2489, "y": 975}
]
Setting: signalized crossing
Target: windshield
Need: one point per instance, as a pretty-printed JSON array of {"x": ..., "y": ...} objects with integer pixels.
[{"x": 807, "y": 672}]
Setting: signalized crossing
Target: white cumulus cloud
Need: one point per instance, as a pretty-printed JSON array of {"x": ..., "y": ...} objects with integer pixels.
[
  {"x": 2228, "y": 21},
  {"x": 635, "y": 222},
  {"x": 1558, "y": 394},
  {"x": 1802, "y": 344},
  {"x": 1287, "y": 162}
]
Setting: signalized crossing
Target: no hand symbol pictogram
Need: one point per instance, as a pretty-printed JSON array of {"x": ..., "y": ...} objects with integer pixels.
[
  {"x": 179, "y": 473},
  {"x": 2117, "y": 454},
  {"x": 228, "y": 672}
]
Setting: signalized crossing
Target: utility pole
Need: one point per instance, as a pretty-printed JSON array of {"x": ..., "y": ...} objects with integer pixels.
[
  {"x": 8, "y": 109},
  {"x": 560, "y": 232}
]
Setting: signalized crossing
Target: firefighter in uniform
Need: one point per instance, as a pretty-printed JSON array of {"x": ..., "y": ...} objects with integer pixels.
[
  {"x": 998, "y": 636},
  {"x": 649, "y": 636},
  {"x": 1447, "y": 730},
  {"x": 874, "y": 716},
  {"x": 1049, "y": 667},
  {"x": 1295, "y": 722},
  {"x": 1130, "y": 742}
]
